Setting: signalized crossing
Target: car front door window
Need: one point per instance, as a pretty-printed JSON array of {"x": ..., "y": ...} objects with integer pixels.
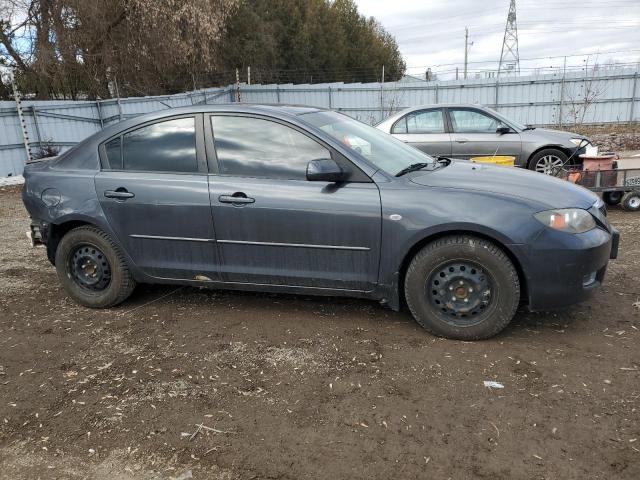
[
  {"x": 253, "y": 147},
  {"x": 473, "y": 121}
]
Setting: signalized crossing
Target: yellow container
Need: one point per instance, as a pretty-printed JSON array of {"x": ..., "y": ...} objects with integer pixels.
[{"x": 503, "y": 160}]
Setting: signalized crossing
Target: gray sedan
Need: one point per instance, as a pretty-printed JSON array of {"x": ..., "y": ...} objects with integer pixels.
[
  {"x": 303, "y": 200},
  {"x": 465, "y": 131}
]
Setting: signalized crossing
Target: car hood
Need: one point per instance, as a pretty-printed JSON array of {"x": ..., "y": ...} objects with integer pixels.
[
  {"x": 547, "y": 135},
  {"x": 546, "y": 191}
]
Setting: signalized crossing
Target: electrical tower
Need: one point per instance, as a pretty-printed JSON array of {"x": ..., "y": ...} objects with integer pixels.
[{"x": 509, "y": 57}]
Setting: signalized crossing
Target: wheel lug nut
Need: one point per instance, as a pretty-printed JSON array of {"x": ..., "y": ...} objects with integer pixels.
[
  {"x": 470, "y": 290},
  {"x": 466, "y": 300},
  {"x": 461, "y": 282},
  {"x": 450, "y": 288}
]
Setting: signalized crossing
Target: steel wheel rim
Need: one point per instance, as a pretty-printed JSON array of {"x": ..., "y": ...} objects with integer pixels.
[
  {"x": 549, "y": 165},
  {"x": 460, "y": 291},
  {"x": 89, "y": 268},
  {"x": 634, "y": 202}
]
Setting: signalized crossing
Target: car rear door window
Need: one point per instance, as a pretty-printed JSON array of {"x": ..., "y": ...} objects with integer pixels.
[
  {"x": 472, "y": 121},
  {"x": 168, "y": 146},
  {"x": 113, "y": 150},
  {"x": 428, "y": 121},
  {"x": 254, "y": 147}
]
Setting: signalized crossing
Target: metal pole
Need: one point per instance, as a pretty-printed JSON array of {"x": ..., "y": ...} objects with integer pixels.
[
  {"x": 115, "y": 80},
  {"x": 278, "y": 93},
  {"x": 497, "y": 93},
  {"x": 100, "y": 113},
  {"x": 330, "y": 100},
  {"x": 633, "y": 94},
  {"x": 35, "y": 122},
  {"x": 249, "y": 75},
  {"x": 23, "y": 125},
  {"x": 561, "y": 113},
  {"x": 466, "y": 50},
  {"x": 382, "y": 94},
  {"x": 437, "y": 96},
  {"x": 237, "y": 85}
]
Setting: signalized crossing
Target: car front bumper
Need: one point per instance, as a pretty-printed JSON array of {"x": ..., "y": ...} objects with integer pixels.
[{"x": 563, "y": 269}]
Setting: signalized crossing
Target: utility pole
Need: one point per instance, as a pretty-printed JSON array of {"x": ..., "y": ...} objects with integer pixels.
[
  {"x": 466, "y": 50},
  {"x": 510, "y": 57}
]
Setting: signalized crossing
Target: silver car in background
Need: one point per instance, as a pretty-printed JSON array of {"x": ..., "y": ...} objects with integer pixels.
[{"x": 465, "y": 131}]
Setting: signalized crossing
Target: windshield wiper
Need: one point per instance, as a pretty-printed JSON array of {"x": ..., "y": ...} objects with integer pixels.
[{"x": 413, "y": 167}]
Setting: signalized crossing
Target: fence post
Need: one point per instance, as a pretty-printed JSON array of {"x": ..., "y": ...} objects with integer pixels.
[
  {"x": 118, "y": 99},
  {"x": 497, "y": 99},
  {"x": 633, "y": 95},
  {"x": 35, "y": 123},
  {"x": 278, "y": 92},
  {"x": 561, "y": 113},
  {"x": 100, "y": 113},
  {"x": 437, "y": 95},
  {"x": 330, "y": 102}
]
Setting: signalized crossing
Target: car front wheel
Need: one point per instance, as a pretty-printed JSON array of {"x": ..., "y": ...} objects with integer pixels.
[
  {"x": 549, "y": 161},
  {"x": 462, "y": 287},
  {"x": 92, "y": 269},
  {"x": 631, "y": 201}
]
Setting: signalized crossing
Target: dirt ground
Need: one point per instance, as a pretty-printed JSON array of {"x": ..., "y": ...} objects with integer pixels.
[{"x": 289, "y": 387}]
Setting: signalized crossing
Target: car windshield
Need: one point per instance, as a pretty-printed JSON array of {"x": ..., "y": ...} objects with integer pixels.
[{"x": 384, "y": 151}]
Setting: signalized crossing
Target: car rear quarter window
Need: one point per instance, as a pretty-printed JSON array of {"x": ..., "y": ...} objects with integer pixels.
[
  {"x": 168, "y": 146},
  {"x": 113, "y": 151},
  {"x": 255, "y": 147}
]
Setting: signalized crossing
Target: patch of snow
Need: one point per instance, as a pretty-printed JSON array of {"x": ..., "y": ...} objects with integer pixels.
[{"x": 13, "y": 180}]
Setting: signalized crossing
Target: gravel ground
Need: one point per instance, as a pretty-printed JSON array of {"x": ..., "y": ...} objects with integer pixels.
[{"x": 181, "y": 383}]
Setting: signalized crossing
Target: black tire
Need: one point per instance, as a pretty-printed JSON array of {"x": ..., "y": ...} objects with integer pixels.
[
  {"x": 631, "y": 201},
  {"x": 115, "y": 282},
  {"x": 549, "y": 161},
  {"x": 612, "y": 198},
  {"x": 502, "y": 294}
]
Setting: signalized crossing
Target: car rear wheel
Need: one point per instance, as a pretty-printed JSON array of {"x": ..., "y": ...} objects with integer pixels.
[
  {"x": 462, "y": 287},
  {"x": 92, "y": 269},
  {"x": 612, "y": 198},
  {"x": 631, "y": 201},
  {"x": 549, "y": 161}
]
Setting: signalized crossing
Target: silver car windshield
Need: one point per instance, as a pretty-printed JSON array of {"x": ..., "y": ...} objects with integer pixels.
[{"x": 381, "y": 149}]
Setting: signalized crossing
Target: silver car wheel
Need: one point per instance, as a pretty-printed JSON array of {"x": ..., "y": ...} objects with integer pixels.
[
  {"x": 634, "y": 202},
  {"x": 549, "y": 164}
]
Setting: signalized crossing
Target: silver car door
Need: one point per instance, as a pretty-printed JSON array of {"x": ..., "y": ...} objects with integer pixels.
[{"x": 474, "y": 134}]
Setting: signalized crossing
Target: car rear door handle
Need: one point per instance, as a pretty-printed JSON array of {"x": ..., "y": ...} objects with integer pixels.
[
  {"x": 238, "y": 198},
  {"x": 119, "y": 194},
  {"x": 462, "y": 140}
]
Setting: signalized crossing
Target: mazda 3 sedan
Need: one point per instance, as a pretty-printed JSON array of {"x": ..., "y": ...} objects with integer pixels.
[
  {"x": 302, "y": 200},
  {"x": 466, "y": 131}
]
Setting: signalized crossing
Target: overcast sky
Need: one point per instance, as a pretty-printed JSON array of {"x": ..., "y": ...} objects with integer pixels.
[{"x": 431, "y": 33}]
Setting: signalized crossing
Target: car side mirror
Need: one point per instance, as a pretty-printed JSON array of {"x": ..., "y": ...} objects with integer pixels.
[
  {"x": 503, "y": 129},
  {"x": 325, "y": 170}
]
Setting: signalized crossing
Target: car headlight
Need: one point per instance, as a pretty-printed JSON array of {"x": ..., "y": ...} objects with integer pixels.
[
  {"x": 578, "y": 141},
  {"x": 570, "y": 220}
]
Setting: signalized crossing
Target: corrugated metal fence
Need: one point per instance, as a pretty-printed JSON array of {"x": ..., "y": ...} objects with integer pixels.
[{"x": 606, "y": 96}]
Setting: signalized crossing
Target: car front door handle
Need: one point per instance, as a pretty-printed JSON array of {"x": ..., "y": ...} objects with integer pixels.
[
  {"x": 238, "y": 198},
  {"x": 462, "y": 140},
  {"x": 119, "y": 194}
]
